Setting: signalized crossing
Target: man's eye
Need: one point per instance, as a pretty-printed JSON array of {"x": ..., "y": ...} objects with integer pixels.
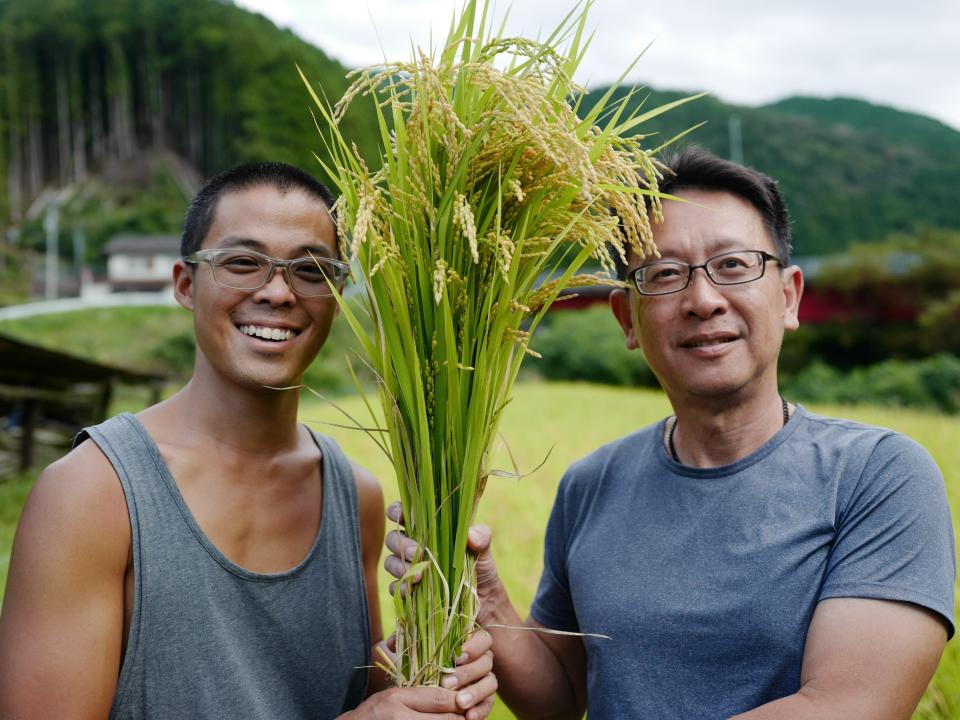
[
  {"x": 663, "y": 274},
  {"x": 313, "y": 271},
  {"x": 733, "y": 263},
  {"x": 240, "y": 262}
]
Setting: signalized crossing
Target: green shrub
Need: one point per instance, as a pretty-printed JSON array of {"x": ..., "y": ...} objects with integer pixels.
[
  {"x": 176, "y": 354},
  {"x": 587, "y": 345},
  {"x": 940, "y": 324},
  {"x": 818, "y": 383},
  {"x": 932, "y": 384},
  {"x": 941, "y": 378}
]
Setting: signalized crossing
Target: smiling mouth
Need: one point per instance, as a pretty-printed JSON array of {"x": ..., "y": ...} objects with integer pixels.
[
  {"x": 708, "y": 343},
  {"x": 268, "y": 333}
]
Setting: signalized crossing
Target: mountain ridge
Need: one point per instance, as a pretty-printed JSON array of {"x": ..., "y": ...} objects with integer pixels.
[{"x": 90, "y": 84}]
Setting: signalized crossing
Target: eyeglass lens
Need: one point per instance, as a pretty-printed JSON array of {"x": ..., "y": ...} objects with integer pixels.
[
  {"x": 246, "y": 271},
  {"x": 726, "y": 269}
]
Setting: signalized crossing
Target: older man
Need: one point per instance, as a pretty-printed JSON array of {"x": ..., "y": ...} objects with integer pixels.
[
  {"x": 744, "y": 557},
  {"x": 210, "y": 557}
]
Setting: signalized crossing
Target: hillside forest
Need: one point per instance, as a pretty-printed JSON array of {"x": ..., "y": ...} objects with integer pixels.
[{"x": 114, "y": 111}]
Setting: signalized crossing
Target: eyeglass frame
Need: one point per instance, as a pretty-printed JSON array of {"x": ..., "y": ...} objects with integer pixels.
[
  {"x": 764, "y": 255},
  {"x": 209, "y": 256}
]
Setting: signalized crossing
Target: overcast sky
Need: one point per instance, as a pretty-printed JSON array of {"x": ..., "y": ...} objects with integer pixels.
[{"x": 903, "y": 54}]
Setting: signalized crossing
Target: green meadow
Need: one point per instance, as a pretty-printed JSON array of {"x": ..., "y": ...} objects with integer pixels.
[{"x": 546, "y": 427}]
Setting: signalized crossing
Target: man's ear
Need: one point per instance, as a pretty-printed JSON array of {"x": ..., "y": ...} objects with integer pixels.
[
  {"x": 792, "y": 293},
  {"x": 183, "y": 277},
  {"x": 620, "y": 303}
]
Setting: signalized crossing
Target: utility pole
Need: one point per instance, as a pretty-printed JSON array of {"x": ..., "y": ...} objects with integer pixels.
[
  {"x": 736, "y": 139},
  {"x": 51, "y": 224},
  {"x": 79, "y": 254}
]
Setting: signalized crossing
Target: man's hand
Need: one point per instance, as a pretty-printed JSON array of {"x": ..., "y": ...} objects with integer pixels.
[
  {"x": 539, "y": 675},
  {"x": 404, "y": 551},
  {"x": 415, "y": 703},
  {"x": 473, "y": 680}
]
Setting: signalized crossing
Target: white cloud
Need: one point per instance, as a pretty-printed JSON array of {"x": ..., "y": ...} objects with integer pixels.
[{"x": 747, "y": 51}]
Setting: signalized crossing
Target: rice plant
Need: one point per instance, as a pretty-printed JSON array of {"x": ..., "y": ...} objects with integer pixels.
[{"x": 493, "y": 192}]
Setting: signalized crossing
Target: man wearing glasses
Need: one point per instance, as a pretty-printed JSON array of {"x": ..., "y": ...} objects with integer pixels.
[
  {"x": 744, "y": 557},
  {"x": 210, "y": 556}
]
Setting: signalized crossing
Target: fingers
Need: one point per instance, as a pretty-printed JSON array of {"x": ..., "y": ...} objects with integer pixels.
[
  {"x": 479, "y": 538},
  {"x": 480, "y": 710},
  {"x": 471, "y": 679},
  {"x": 388, "y": 648},
  {"x": 477, "y": 694},
  {"x": 475, "y": 646},
  {"x": 395, "y": 512},
  {"x": 404, "y": 552},
  {"x": 398, "y": 568},
  {"x": 400, "y": 545},
  {"x": 430, "y": 700}
]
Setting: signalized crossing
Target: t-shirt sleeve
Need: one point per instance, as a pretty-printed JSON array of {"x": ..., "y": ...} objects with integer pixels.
[
  {"x": 894, "y": 536},
  {"x": 553, "y": 604}
]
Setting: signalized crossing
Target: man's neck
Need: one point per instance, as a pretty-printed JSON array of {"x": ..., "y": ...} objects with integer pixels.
[
  {"x": 719, "y": 432},
  {"x": 254, "y": 422}
]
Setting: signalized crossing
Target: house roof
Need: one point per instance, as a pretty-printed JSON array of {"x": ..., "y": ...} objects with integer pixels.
[
  {"x": 23, "y": 364},
  {"x": 143, "y": 245}
]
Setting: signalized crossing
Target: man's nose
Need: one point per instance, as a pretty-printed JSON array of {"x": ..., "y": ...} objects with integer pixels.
[
  {"x": 702, "y": 297},
  {"x": 276, "y": 290}
]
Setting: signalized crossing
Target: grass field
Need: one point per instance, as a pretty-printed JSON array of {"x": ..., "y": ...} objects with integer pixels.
[
  {"x": 139, "y": 338},
  {"x": 561, "y": 422}
]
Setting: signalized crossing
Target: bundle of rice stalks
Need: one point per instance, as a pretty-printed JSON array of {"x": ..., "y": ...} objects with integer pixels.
[{"x": 490, "y": 183}]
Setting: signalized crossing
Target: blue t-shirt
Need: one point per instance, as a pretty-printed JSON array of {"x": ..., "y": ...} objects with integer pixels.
[{"x": 706, "y": 579}]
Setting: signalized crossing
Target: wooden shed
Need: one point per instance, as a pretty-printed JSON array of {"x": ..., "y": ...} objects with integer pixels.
[{"x": 47, "y": 396}]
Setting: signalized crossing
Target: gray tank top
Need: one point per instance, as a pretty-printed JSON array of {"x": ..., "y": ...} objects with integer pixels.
[{"x": 209, "y": 639}]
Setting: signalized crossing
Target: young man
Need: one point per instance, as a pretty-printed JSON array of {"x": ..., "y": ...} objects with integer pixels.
[
  {"x": 210, "y": 556},
  {"x": 745, "y": 557}
]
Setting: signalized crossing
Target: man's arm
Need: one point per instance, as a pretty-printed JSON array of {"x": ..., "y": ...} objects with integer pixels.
[
  {"x": 61, "y": 628},
  {"x": 540, "y": 675},
  {"x": 869, "y": 659},
  {"x": 370, "y": 510}
]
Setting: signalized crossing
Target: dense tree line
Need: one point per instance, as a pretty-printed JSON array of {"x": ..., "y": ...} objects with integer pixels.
[
  {"x": 90, "y": 84},
  {"x": 850, "y": 171},
  {"x": 101, "y": 88}
]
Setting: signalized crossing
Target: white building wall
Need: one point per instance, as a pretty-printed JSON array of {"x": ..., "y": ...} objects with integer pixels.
[{"x": 126, "y": 268}]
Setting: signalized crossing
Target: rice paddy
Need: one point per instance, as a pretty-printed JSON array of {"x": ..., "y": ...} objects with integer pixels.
[{"x": 563, "y": 421}]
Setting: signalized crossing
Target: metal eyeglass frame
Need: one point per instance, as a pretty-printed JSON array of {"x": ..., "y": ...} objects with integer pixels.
[
  {"x": 764, "y": 255},
  {"x": 209, "y": 256}
]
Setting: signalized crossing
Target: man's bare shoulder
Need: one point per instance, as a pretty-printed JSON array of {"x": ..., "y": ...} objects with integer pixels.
[
  {"x": 368, "y": 487},
  {"x": 370, "y": 501},
  {"x": 80, "y": 495}
]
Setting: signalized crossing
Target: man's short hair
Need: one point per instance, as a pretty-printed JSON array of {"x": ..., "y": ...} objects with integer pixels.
[
  {"x": 281, "y": 176},
  {"x": 695, "y": 168}
]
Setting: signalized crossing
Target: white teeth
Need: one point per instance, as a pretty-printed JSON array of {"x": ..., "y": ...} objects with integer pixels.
[
  {"x": 708, "y": 343},
  {"x": 266, "y": 333}
]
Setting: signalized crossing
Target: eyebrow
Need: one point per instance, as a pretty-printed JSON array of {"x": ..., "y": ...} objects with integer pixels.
[
  {"x": 718, "y": 248},
  {"x": 250, "y": 243}
]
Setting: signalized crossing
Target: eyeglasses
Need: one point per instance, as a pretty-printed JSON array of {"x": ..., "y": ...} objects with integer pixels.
[
  {"x": 250, "y": 270},
  {"x": 731, "y": 268}
]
